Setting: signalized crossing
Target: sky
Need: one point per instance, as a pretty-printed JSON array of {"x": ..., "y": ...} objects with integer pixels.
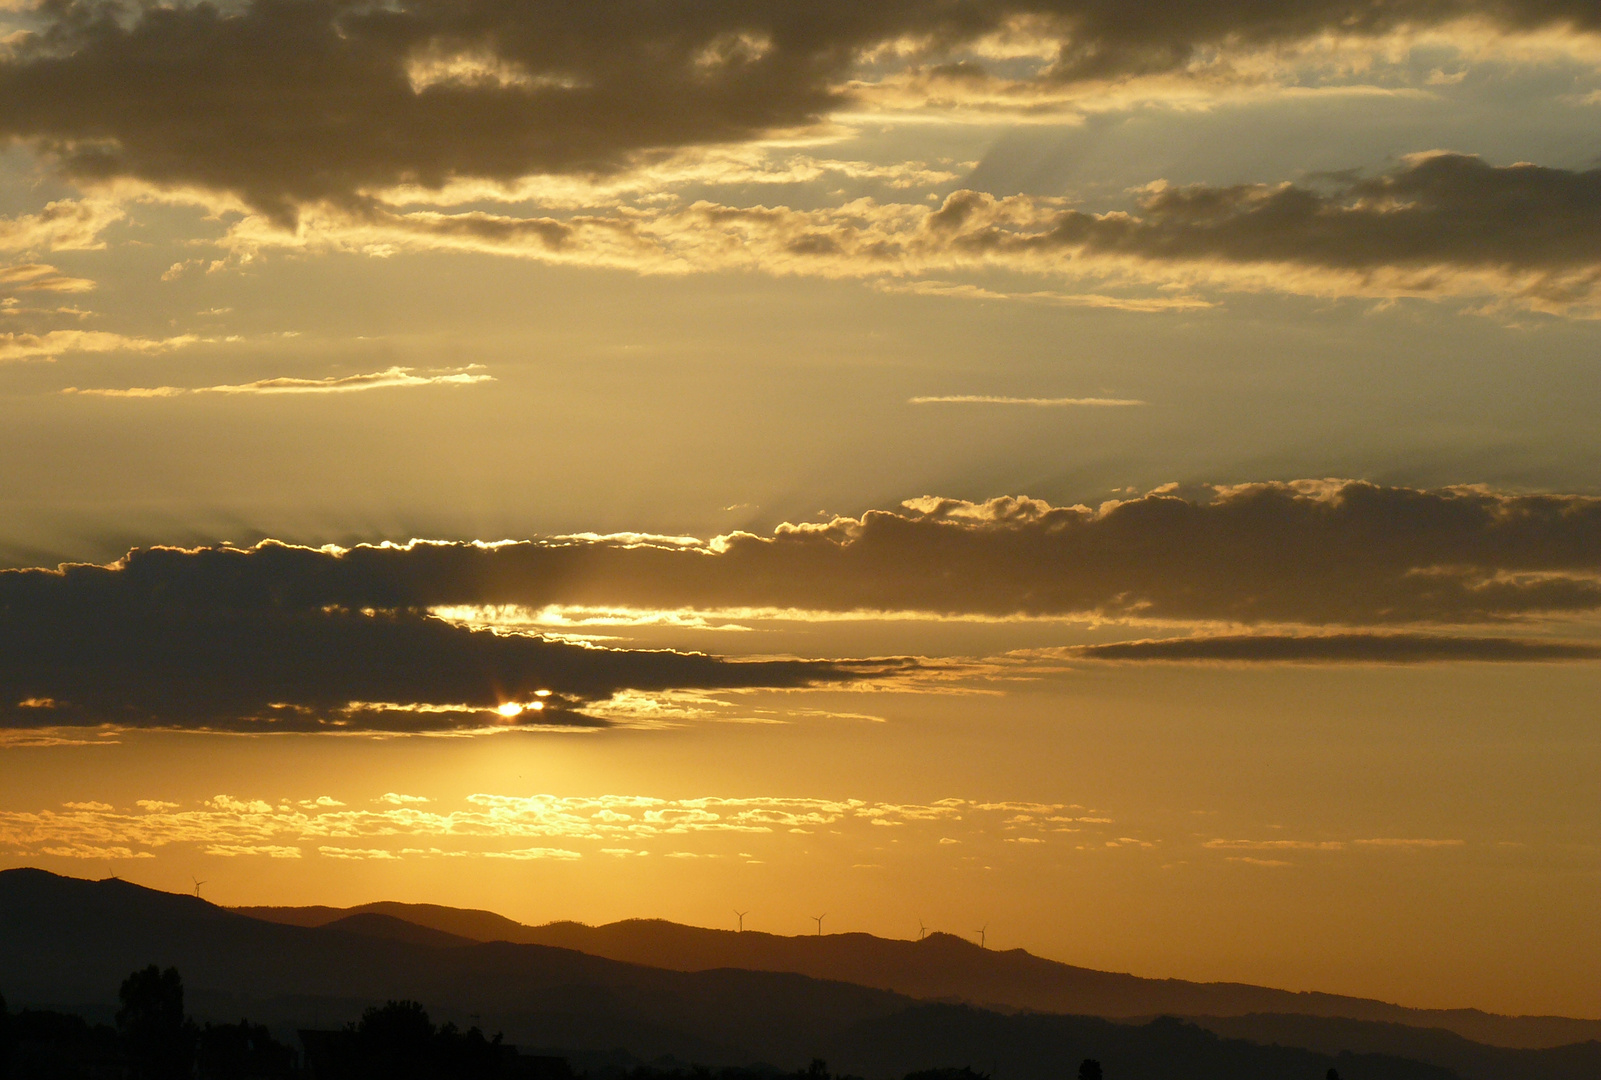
[{"x": 1118, "y": 477}]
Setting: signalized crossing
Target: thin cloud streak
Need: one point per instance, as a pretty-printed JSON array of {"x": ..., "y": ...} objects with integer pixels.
[
  {"x": 55, "y": 343},
  {"x": 987, "y": 399},
  {"x": 390, "y": 378},
  {"x": 1367, "y": 648}
]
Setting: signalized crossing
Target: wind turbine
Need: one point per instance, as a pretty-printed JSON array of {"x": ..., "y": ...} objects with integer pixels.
[
  {"x": 922, "y": 931},
  {"x": 818, "y": 919},
  {"x": 982, "y": 930},
  {"x": 741, "y": 915},
  {"x": 198, "y": 883}
]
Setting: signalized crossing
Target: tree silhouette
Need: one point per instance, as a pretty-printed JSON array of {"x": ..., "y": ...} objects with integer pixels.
[
  {"x": 158, "y": 1041},
  {"x": 396, "y": 1041},
  {"x": 5, "y": 1040},
  {"x": 1089, "y": 1069},
  {"x": 1333, "y": 1074},
  {"x": 242, "y": 1051}
]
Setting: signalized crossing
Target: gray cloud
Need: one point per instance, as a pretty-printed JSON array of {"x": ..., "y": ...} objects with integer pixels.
[
  {"x": 121, "y": 647},
  {"x": 1435, "y": 210},
  {"x": 286, "y": 102},
  {"x": 1439, "y": 224},
  {"x": 1369, "y": 648},
  {"x": 1314, "y": 552}
]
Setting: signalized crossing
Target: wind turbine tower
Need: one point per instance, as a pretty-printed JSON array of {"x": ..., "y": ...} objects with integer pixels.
[
  {"x": 741, "y": 916},
  {"x": 981, "y": 932},
  {"x": 818, "y": 919},
  {"x": 198, "y": 883}
]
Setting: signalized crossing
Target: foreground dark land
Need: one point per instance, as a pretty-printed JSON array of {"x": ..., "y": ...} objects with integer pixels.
[{"x": 68, "y": 945}]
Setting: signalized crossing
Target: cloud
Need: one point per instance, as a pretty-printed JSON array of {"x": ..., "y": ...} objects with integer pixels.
[
  {"x": 1437, "y": 212},
  {"x": 48, "y": 346},
  {"x": 968, "y": 291},
  {"x": 63, "y": 225},
  {"x": 1404, "y": 844},
  {"x": 92, "y": 646},
  {"x": 382, "y": 638},
  {"x": 40, "y": 277},
  {"x": 1369, "y": 648},
  {"x": 283, "y": 105},
  {"x": 333, "y": 384},
  {"x": 1438, "y": 225},
  {"x": 483, "y": 825},
  {"x": 985, "y": 399},
  {"x": 1323, "y": 552}
]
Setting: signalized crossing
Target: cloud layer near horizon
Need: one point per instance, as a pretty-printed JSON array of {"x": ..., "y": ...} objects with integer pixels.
[
  {"x": 1312, "y": 552},
  {"x": 75, "y": 652},
  {"x": 279, "y": 637}
]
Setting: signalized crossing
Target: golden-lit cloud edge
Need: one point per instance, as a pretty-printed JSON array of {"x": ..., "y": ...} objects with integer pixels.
[
  {"x": 447, "y": 638},
  {"x": 56, "y": 343},
  {"x": 1439, "y": 225},
  {"x": 388, "y": 379}
]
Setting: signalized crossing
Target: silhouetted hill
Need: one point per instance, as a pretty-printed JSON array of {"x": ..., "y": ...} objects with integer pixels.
[
  {"x": 463, "y": 922},
  {"x": 388, "y": 928},
  {"x": 943, "y": 967},
  {"x": 66, "y": 940},
  {"x": 1580, "y": 1061},
  {"x": 1035, "y": 1047},
  {"x": 71, "y": 942}
]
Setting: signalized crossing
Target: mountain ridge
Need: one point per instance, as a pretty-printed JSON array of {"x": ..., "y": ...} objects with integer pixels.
[
  {"x": 68, "y": 940},
  {"x": 943, "y": 967}
]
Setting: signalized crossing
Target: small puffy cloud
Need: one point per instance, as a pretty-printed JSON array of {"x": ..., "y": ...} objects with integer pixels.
[
  {"x": 379, "y": 854},
  {"x": 392, "y": 798},
  {"x": 270, "y": 851}
]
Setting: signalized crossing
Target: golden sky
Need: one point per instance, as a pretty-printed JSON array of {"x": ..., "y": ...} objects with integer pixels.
[{"x": 1118, "y": 475}]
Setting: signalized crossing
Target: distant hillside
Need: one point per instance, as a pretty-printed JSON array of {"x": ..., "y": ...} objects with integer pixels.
[
  {"x": 68, "y": 941},
  {"x": 942, "y": 967},
  {"x": 463, "y": 922},
  {"x": 1581, "y": 1061}
]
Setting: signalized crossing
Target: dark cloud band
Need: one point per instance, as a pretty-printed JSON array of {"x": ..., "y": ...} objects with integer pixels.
[
  {"x": 113, "y": 656},
  {"x": 1436, "y": 210},
  {"x": 1389, "y": 648},
  {"x": 1323, "y": 552},
  {"x": 285, "y": 102}
]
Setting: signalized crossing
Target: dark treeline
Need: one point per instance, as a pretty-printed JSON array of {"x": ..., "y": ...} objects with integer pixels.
[{"x": 154, "y": 1039}]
